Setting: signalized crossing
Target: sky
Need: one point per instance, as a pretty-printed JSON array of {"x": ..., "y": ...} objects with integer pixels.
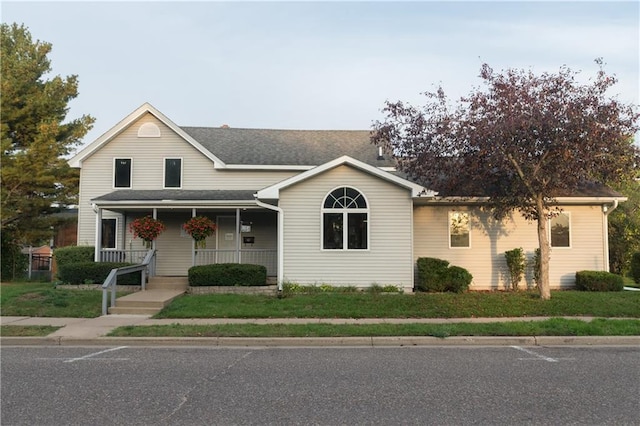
[{"x": 314, "y": 65}]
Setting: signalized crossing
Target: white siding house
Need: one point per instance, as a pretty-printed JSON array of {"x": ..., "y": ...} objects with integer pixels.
[{"x": 314, "y": 207}]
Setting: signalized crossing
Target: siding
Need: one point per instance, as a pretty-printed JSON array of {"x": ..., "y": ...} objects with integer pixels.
[
  {"x": 96, "y": 176},
  {"x": 489, "y": 240},
  {"x": 388, "y": 260}
]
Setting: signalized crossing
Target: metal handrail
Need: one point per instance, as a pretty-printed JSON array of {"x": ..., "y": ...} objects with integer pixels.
[{"x": 112, "y": 279}]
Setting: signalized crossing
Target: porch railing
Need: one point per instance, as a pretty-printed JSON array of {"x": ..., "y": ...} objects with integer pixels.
[
  {"x": 112, "y": 279},
  {"x": 129, "y": 256},
  {"x": 265, "y": 257}
]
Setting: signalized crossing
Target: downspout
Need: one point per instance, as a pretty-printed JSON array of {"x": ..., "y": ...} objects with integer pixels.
[
  {"x": 280, "y": 238},
  {"x": 605, "y": 226},
  {"x": 98, "y": 240}
]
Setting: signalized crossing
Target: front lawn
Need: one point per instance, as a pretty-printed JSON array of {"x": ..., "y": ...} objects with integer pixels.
[
  {"x": 45, "y": 300},
  {"x": 420, "y": 305},
  {"x": 26, "y": 330}
]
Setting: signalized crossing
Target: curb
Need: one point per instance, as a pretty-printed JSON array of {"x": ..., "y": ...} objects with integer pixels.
[{"x": 378, "y": 341}]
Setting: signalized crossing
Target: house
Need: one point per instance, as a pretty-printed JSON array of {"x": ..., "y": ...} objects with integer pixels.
[{"x": 312, "y": 206}]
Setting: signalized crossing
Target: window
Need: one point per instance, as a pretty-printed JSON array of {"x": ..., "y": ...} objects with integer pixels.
[
  {"x": 108, "y": 233},
  {"x": 122, "y": 173},
  {"x": 559, "y": 226},
  {"x": 459, "y": 230},
  {"x": 172, "y": 172},
  {"x": 345, "y": 219}
]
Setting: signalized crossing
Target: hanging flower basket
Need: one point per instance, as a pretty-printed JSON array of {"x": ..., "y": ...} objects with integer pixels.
[
  {"x": 146, "y": 228},
  {"x": 200, "y": 227}
]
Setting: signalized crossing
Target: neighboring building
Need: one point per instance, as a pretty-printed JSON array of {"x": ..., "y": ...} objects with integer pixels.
[{"x": 312, "y": 206}]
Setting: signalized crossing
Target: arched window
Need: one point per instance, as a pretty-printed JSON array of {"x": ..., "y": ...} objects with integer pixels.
[{"x": 345, "y": 218}]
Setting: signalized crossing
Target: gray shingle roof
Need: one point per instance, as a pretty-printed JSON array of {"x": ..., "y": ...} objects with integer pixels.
[
  {"x": 178, "y": 194},
  {"x": 286, "y": 147}
]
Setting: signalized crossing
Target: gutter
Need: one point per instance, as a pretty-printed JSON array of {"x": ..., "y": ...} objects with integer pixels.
[
  {"x": 280, "y": 238},
  {"x": 606, "y": 210}
]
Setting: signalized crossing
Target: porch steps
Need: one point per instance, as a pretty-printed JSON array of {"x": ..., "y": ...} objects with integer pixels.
[{"x": 160, "y": 291}]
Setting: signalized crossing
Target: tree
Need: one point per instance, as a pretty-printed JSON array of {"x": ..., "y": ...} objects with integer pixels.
[
  {"x": 36, "y": 178},
  {"x": 520, "y": 143},
  {"x": 624, "y": 228}
]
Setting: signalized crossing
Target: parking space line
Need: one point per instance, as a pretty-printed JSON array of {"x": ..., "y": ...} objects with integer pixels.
[
  {"x": 538, "y": 356},
  {"x": 95, "y": 354}
]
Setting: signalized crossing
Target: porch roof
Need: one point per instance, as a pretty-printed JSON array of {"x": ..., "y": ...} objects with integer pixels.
[{"x": 176, "y": 196}]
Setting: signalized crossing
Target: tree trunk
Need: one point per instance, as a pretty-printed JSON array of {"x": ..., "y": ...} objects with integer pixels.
[{"x": 543, "y": 240}]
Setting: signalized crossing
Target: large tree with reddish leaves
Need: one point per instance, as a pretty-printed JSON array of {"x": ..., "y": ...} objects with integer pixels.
[{"x": 520, "y": 140}]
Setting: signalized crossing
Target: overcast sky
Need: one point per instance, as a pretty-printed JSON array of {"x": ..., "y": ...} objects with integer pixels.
[{"x": 324, "y": 65}]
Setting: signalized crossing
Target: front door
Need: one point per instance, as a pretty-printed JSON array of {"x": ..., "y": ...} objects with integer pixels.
[{"x": 226, "y": 243}]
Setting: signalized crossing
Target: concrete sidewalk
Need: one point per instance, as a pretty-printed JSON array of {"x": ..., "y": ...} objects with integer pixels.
[{"x": 92, "y": 331}]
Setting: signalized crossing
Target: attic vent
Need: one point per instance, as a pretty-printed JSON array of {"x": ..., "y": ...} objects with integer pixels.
[
  {"x": 149, "y": 130},
  {"x": 224, "y": 126}
]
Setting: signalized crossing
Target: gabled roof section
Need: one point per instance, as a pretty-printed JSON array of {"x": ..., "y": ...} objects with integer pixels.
[
  {"x": 293, "y": 149},
  {"x": 273, "y": 192},
  {"x": 146, "y": 108}
]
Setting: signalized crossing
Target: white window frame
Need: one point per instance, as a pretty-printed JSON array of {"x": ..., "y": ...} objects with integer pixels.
[
  {"x": 115, "y": 233},
  {"x": 345, "y": 221},
  {"x": 164, "y": 172},
  {"x": 549, "y": 224},
  {"x": 449, "y": 215},
  {"x": 113, "y": 174}
]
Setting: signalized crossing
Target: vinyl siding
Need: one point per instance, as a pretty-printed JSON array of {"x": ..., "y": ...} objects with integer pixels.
[
  {"x": 388, "y": 259},
  {"x": 489, "y": 240},
  {"x": 148, "y": 154}
]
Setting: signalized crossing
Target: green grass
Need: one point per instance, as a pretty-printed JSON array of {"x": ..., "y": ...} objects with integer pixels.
[
  {"x": 421, "y": 305},
  {"x": 45, "y": 300},
  {"x": 550, "y": 327},
  {"x": 26, "y": 330}
]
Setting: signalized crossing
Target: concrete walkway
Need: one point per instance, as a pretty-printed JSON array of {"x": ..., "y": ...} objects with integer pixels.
[{"x": 92, "y": 331}]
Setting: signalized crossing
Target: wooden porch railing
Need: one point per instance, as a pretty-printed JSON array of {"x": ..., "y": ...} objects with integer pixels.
[{"x": 265, "y": 257}]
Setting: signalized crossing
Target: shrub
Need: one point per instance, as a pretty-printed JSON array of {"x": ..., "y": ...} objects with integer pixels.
[
  {"x": 73, "y": 254},
  {"x": 516, "y": 265},
  {"x": 435, "y": 275},
  {"x": 430, "y": 274},
  {"x": 598, "y": 281},
  {"x": 95, "y": 272},
  {"x": 457, "y": 279},
  {"x": 635, "y": 267},
  {"x": 535, "y": 264},
  {"x": 228, "y": 274}
]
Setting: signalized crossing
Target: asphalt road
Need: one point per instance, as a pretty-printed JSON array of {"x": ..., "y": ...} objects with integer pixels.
[{"x": 320, "y": 386}]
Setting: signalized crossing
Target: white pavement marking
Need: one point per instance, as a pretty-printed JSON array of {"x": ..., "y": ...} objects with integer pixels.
[
  {"x": 96, "y": 353},
  {"x": 545, "y": 358}
]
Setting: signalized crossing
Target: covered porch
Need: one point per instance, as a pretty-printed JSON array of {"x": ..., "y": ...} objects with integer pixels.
[{"x": 247, "y": 230}]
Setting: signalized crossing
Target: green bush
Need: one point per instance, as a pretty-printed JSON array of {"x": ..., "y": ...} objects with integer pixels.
[
  {"x": 435, "y": 275},
  {"x": 430, "y": 274},
  {"x": 598, "y": 281},
  {"x": 516, "y": 265},
  {"x": 457, "y": 279},
  {"x": 73, "y": 254},
  {"x": 228, "y": 274},
  {"x": 635, "y": 267},
  {"x": 95, "y": 273}
]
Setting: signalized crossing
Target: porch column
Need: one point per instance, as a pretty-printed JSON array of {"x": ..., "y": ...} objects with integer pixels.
[
  {"x": 238, "y": 235},
  {"x": 193, "y": 242},
  {"x": 98, "y": 242},
  {"x": 155, "y": 216}
]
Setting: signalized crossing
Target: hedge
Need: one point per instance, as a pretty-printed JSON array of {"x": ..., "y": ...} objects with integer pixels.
[
  {"x": 598, "y": 281},
  {"x": 95, "y": 273},
  {"x": 435, "y": 275},
  {"x": 228, "y": 274},
  {"x": 73, "y": 254}
]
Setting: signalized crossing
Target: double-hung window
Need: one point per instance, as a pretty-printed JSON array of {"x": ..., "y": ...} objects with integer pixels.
[
  {"x": 173, "y": 172},
  {"x": 560, "y": 229},
  {"x": 122, "y": 172},
  {"x": 345, "y": 220}
]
